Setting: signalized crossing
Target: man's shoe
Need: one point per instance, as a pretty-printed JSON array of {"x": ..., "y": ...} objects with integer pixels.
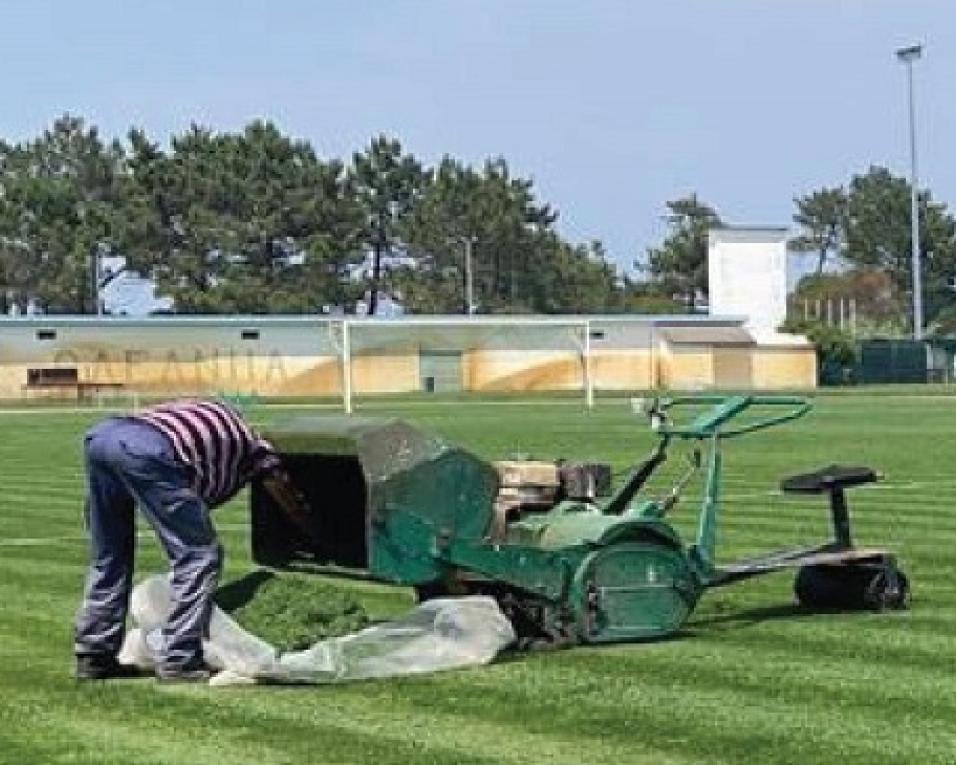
[
  {"x": 189, "y": 674},
  {"x": 104, "y": 668}
]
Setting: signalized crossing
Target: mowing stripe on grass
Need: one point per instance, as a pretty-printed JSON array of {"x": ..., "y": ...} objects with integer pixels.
[{"x": 747, "y": 680}]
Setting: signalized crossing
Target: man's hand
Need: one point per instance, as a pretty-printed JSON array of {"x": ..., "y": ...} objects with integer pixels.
[{"x": 289, "y": 498}]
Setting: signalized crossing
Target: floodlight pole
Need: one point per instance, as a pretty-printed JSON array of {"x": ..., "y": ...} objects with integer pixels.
[{"x": 907, "y": 56}]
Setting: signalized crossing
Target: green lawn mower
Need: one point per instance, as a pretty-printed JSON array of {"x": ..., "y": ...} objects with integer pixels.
[{"x": 568, "y": 560}]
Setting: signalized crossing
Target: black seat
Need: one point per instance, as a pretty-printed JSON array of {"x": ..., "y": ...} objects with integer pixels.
[{"x": 827, "y": 479}]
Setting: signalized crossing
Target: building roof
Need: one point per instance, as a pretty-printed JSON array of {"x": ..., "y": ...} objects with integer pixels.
[
  {"x": 708, "y": 335},
  {"x": 212, "y": 320},
  {"x": 748, "y": 234}
]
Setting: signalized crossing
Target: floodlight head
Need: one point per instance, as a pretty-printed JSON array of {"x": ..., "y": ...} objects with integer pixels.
[{"x": 910, "y": 53}]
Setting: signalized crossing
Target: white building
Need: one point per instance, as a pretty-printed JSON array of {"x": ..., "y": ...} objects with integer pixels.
[
  {"x": 127, "y": 293},
  {"x": 389, "y": 261},
  {"x": 747, "y": 268}
]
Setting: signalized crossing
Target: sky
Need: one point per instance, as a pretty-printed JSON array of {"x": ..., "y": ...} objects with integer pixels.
[{"x": 612, "y": 107}]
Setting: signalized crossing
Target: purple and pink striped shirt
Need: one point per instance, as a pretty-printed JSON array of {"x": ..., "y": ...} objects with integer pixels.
[{"x": 214, "y": 440}]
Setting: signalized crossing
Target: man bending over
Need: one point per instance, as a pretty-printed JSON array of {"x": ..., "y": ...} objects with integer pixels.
[{"x": 176, "y": 462}]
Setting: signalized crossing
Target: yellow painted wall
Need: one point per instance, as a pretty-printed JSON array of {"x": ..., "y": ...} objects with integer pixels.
[
  {"x": 784, "y": 367},
  {"x": 732, "y": 367},
  {"x": 270, "y": 376},
  {"x": 301, "y": 361},
  {"x": 622, "y": 369},
  {"x": 761, "y": 368},
  {"x": 521, "y": 370},
  {"x": 555, "y": 370},
  {"x": 685, "y": 368},
  {"x": 395, "y": 372}
]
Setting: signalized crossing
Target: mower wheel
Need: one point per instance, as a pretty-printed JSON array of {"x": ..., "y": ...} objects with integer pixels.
[
  {"x": 863, "y": 586},
  {"x": 888, "y": 590}
]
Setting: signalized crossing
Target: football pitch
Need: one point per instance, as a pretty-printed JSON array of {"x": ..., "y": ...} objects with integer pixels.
[{"x": 751, "y": 678}]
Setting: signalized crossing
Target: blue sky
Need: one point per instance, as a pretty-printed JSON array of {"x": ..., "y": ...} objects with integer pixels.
[{"x": 612, "y": 107}]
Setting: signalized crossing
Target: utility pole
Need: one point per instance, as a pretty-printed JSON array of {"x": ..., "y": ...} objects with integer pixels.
[
  {"x": 469, "y": 242},
  {"x": 94, "y": 277},
  {"x": 907, "y": 56},
  {"x": 378, "y": 247}
]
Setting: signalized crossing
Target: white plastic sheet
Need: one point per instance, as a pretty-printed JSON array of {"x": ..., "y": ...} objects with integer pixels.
[{"x": 446, "y": 633}]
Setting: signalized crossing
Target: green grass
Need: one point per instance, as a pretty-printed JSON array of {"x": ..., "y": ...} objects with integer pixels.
[
  {"x": 747, "y": 680},
  {"x": 291, "y": 611}
]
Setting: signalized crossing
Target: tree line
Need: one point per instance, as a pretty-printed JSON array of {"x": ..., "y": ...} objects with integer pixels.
[
  {"x": 864, "y": 226},
  {"x": 255, "y": 221}
]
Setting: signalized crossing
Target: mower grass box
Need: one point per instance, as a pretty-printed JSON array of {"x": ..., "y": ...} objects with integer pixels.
[
  {"x": 376, "y": 488},
  {"x": 392, "y": 503}
]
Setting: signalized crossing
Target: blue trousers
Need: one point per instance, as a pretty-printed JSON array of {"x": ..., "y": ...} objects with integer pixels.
[{"x": 129, "y": 464}]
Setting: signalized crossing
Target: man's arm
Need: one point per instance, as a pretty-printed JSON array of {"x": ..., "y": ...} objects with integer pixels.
[{"x": 280, "y": 487}]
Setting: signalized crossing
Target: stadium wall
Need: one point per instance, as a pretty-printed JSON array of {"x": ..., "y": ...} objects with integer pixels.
[
  {"x": 780, "y": 367},
  {"x": 302, "y": 356}
]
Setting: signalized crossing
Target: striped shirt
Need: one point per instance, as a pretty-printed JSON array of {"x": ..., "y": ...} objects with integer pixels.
[{"x": 211, "y": 438}]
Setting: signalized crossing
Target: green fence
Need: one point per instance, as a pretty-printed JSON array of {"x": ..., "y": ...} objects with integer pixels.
[
  {"x": 887, "y": 361},
  {"x": 892, "y": 361}
]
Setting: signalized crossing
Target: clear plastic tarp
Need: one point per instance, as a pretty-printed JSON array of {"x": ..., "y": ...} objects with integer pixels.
[{"x": 440, "y": 634}]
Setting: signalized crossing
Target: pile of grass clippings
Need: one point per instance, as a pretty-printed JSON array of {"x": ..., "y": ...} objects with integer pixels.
[{"x": 291, "y": 611}]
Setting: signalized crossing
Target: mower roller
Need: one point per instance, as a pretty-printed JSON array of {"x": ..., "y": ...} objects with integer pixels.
[{"x": 394, "y": 504}]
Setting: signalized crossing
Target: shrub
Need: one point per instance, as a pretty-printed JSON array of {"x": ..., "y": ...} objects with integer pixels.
[{"x": 837, "y": 353}]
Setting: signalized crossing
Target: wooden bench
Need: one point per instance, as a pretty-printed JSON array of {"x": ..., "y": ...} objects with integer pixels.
[{"x": 52, "y": 377}]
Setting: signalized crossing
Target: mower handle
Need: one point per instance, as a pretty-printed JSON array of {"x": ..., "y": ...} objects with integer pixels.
[{"x": 709, "y": 424}]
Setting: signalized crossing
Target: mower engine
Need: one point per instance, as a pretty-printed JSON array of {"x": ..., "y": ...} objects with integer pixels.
[{"x": 530, "y": 486}]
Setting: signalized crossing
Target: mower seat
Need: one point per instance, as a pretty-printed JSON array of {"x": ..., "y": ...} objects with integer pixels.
[{"x": 834, "y": 477}]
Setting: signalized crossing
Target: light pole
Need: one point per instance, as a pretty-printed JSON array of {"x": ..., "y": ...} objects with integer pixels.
[
  {"x": 469, "y": 276},
  {"x": 907, "y": 56}
]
